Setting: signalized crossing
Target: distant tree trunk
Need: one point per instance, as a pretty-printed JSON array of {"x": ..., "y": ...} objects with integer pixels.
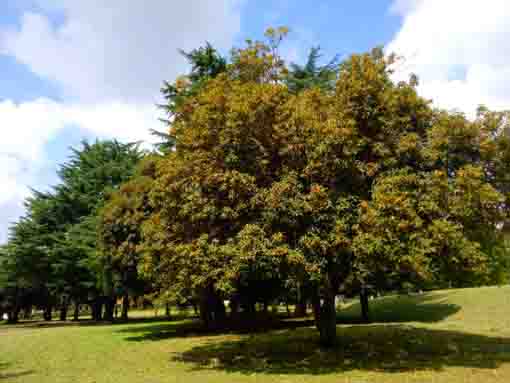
[
  {"x": 250, "y": 309},
  {"x": 76, "y": 313},
  {"x": 365, "y": 311},
  {"x": 27, "y": 312},
  {"x": 300, "y": 309},
  {"x": 506, "y": 225},
  {"x": 63, "y": 312},
  {"x": 13, "y": 315},
  {"x": 168, "y": 315},
  {"x": 97, "y": 309},
  {"x": 326, "y": 322},
  {"x": 234, "y": 308},
  {"x": 287, "y": 308},
  {"x": 109, "y": 307},
  {"x": 219, "y": 309},
  {"x": 212, "y": 308},
  {"x": 47, "y": 313},
  {"x": 125, "y": 307},
  {"x": 316, "y": 305},
  {"x": 325, "y": 317},
  {"x": 205, "y": 315}
]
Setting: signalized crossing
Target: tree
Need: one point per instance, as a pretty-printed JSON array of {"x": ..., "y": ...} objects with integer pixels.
[
  {"x": 26, "y": 266},
  {"x": 301, "y": 77},
  {"x": 120, "y": 228},
  {"x": 51, "y": 256},
  {"x": 87, "y": 178},
  {"x": 206, "y": 63},
  {"x": 331, "y": 188}
]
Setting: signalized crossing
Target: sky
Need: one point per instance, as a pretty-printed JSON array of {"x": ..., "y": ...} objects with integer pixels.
[{"x": 75, "y": 69}]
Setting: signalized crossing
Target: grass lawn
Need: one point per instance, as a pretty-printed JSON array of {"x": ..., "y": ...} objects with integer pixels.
[{"x": 446, "y": 336}]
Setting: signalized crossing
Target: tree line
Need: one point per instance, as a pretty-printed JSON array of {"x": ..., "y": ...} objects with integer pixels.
[{"x": 273, "y": 183}]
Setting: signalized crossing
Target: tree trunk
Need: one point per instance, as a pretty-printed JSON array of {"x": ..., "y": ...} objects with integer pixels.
[
  {"x": 212, "y": 308},
  {"x": 48, "y": 311},
  {"x": 325, "y": 317},
  {"x": 63, "y": 312},
  {"x": 300, "y": 309},
  {"x": 219, "y": 310},
  {"x": 365, "y": 311},
  {"x": 125, "y": 307},
  {"x": 97, "y": 309},
  {"x": 316, "y": 305},
  {"x": 167, "y": 311},
  {"x": 204, "y": 310},
  {"x": 27, "y": 312},
  {"x": 76, "y": 313},
  {"x": 234, "y": 308},
  {"x": 13, "y": 315},
  {"x": 109, "y": 308},
  {"x": 326, "y": 322}
]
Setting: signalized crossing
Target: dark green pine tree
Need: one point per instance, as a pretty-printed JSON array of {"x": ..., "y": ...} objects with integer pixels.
[
  {"x": 88, "y": 178},
  {"x": 301, "y": 77},
  {"x": 26, "y": 265},
  {"x": 51, "y": 257},
  {"x": 206, "y": 63}
]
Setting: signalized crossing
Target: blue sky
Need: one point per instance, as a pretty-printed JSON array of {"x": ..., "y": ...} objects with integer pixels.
[
  {"x": 73, "y": 69},
  {"x": 338, "y": 27}
]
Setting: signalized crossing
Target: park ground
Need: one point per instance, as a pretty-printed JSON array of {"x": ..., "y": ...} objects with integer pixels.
[{"x": 449, "y": 336}]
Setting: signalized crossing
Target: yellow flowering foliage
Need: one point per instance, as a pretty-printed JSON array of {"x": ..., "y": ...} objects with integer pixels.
[{"x": 365, "y": 183}]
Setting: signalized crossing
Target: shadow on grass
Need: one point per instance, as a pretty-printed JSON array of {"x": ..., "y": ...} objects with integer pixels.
[
  {"x": 427, "y": 308},
  {"x": 194, "y": 328},
  {"x": 88, "y": 322},
  {"x": 392, "y": 309},
  {"x": 387, "y": 348},
  {"x": 5, "y": 374}
]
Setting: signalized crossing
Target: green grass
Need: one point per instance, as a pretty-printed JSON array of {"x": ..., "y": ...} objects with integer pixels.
[{"x": 446, "y": 336}]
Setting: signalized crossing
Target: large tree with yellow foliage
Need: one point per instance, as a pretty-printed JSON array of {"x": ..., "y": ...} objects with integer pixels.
[{"x": 329, "y": 187}]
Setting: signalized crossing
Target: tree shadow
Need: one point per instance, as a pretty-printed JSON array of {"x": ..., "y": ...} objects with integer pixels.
[
  {"x": 89, "y": 322},
  {"x": 426, "y": 308},
  {"x": 386, "y": 348},
  {"x": 392, "y": 309},
  {"x": 194, "y": 328},
  {"x": 5, "y": 374}
]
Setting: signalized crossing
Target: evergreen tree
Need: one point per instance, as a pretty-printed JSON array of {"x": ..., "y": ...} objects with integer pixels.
[{"x": 301, "y": 77}]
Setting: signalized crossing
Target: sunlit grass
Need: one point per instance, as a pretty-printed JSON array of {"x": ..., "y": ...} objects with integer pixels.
[{"x": 447, "y": 336}]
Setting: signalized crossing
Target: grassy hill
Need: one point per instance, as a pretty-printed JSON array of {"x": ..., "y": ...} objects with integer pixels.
[{"x": 446, "y": 336}]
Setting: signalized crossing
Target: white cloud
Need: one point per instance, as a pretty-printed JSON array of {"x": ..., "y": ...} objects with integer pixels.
[
  {"x": 9, "y": 212},
  {"x": 118, "y": 49},
  {"x": 108, "y": 59},
  {"x": 402, "y": 7},
  {"x": 458, "y": 49},
  {"x": 27, "y": 128}
]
